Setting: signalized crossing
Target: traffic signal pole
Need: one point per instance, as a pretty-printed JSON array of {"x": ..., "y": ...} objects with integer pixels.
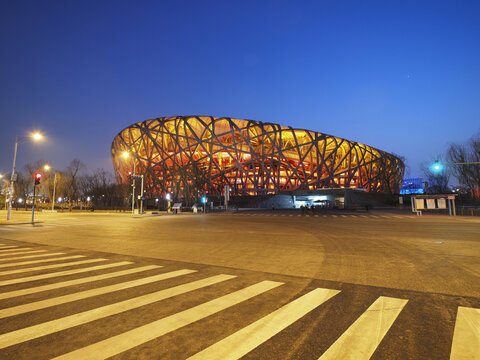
[
  {"x": 36, "y": 180},
  {"x": 34, "y": 197},
  {"x": 133, "y": 188},
  {"x": 141, "y": 199}
]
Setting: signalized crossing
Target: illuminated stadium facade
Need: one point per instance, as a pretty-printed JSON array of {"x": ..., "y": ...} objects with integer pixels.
[{"x": 202, "y": 154}]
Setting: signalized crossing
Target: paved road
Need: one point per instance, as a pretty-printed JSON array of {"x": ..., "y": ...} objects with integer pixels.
[{"x": 87, "y": 287}]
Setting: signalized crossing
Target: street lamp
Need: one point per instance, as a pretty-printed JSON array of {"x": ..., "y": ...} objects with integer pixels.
[
  {"x": 35, "y": 137},
  {"x": 126, "y": 155},
  {"x": 47, "y": 167}
]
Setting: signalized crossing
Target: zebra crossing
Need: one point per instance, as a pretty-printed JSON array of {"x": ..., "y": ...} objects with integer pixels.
[
  {"x": 44, "y": 307},
  {"x": 310, "y": 215}
]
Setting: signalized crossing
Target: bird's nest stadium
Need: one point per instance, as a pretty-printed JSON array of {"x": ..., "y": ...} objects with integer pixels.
[{"x": 202, "y": 154}]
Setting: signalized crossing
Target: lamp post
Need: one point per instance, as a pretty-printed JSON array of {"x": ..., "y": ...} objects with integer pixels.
[
  {"x": 438, "y": 166},
  {"x": 126, "y": 155},
  {"x": 47, "y": 168},
  {"x": 36, "y": 136}
]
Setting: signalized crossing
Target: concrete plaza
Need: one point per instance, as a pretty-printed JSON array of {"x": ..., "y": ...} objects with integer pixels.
[{"x": 429, "y": 265}]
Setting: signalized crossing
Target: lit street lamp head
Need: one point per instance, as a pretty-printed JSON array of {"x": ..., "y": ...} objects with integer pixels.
[
  {"x": 37, "y": 136},
  {"x": 46, "y": 167},
  {"x": 125, "y": 154}
]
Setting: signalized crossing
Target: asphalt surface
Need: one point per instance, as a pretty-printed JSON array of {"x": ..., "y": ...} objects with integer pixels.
[{"x": 430, "y": 265}]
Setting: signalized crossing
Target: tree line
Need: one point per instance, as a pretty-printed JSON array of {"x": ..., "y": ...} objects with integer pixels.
[{"x": 74, "y": 185}]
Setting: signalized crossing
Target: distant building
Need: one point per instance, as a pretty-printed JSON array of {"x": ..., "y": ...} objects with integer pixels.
[
  {"x": 202, "y": 154},
  {"x": 412, "y": 186}
]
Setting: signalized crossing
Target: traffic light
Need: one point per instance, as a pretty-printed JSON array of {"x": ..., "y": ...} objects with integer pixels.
[{"x": 38, "y": 177}]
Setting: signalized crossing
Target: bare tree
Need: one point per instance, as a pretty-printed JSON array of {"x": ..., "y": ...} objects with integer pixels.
[
  {"x": 102, "y": 188},
  {"x": 71, "y": 175},
  {"x": 5, "y": 189},
  {"x": 23, "y": 186},
  {"x": 467, "y": 174}
]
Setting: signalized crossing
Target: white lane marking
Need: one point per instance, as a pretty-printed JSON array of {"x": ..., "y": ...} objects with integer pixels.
[
  {"x": 62, "y": 284},
  {"x": 343, "y": 215},
  {"x": 127, "y": 340},
  {"x": 466, "y": 336},
  {"x": 23, "y": 252},
  {"x": 62, "y": 273},
  {"x": 42, "y": 304},
  {"x": 245, "y": 340},
  {"x": 334, "y": 216},
  {"x": 45, "y": 267},
  {"x": 16, "y": 249},
  {"x": 50, "y": 327},
  {"x": 31, "y": 256},
  {"x": 7, "y": 247},
  {"x": 365, "y": 334},
  {"x": 10, "y": 264}
]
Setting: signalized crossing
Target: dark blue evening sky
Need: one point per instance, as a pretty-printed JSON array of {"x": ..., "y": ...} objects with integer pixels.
[{"x": 402, "y": 76}]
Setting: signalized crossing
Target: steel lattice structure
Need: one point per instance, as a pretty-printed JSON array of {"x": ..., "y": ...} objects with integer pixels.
[{"x": 203, "y": 153}]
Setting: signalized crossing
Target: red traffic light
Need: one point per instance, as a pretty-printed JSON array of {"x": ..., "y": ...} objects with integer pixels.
[{"x": 37, "y": 177}]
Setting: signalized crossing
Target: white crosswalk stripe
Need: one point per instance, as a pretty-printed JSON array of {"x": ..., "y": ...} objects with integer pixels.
[
  {"x": 88, "y": 279},
  {"x": 237, "y": 345},
  {"x": 62, "y": 273},
  {"x": 138, "y": 336},
  {"x": 54, "y": 266},
  {"x": 7, "y": 247},
  {"x": 23, "y": 252},
  {"x": 31, "y": 256},
  {"x": 359, "y": 341},
  {"x": 16, "y": 249},
  {"x": 466, "y": 336},
  {"x": 42, "y": 304},
  {"x": 50, "y": 327},
  {"x": 29, "y": 262},
  {"x": 362, "y": 338}
]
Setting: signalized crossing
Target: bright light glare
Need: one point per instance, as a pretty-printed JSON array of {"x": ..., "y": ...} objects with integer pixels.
[
  {"x": 47, "y": 167},
  {"x": 1, "y": 176},
  {"x": 88, "y": 198},
  {"x": 20, "y": 200},
  {"x": 59, "y": 199},
  {"x": 167, "y": 196},
  {"x": 125, "y": 154},
  {"x": 437, "y": 167},
  {"x": 37, "y": 136}
]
